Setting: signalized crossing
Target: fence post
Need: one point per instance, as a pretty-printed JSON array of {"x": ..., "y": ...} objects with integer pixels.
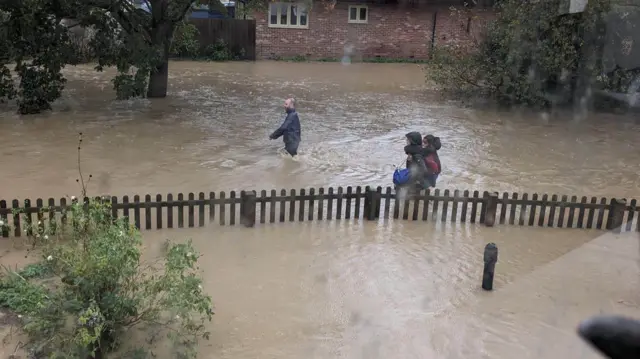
[
  {"x": 370, "y": 204},
  {"x": 490, "y": 209},
  {"x": 4, "y": 220},
  {"x": 490, "y": 260},
  {"x": 248, "y": 208},
  {"x": 616, "y": 214}
]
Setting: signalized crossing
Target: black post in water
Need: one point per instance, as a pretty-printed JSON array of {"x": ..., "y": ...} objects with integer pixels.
[{"x": 490, "y": 260}]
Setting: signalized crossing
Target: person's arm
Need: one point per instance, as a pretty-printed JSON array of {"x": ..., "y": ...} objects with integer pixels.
[
  {"x": 420, "y": 162},
  {"x": 428, "y": 150},
  {"x": 280, "y": 131}
]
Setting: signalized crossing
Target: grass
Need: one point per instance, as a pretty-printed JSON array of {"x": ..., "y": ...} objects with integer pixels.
[{"x": 17, "y": 294}]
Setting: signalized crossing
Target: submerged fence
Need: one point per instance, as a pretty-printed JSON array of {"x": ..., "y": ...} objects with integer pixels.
[{"x": 249, "y": 208}]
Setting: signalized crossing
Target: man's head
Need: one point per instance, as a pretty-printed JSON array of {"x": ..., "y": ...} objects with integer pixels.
[{"x": 289, "y": 104}]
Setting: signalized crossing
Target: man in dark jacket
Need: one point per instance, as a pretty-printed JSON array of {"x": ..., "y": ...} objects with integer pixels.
[
  {"x": 415, "y": 159},
  {"x": 290, "y": 128}
]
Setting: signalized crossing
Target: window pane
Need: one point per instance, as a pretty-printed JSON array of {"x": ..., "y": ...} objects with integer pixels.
[
  {"x": 363, "y": 13},
  {"x": 302, "y": 15},
  {"x": 353, "y": 13},
  {"x": 294, "y": 15},
  {"x": 273, "y": 14},
  {"x": 284, "y": 8}
]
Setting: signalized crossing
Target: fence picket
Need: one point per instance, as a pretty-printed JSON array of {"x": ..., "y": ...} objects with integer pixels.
[
  {"x": 158, "y": 211},
  {"x": 232, "y": 208},
  {"x": 454, "y": 206},
  {"x": 263, "y": 206},
  {"x": 356, "y": 210},
  {"x": 445, "y": 205},
  {"x": 425, "y": 205},
  {"x": 532, "y": 210},
  {"x": 339, "y": 203},
  {"x": 630, "y": 215},
  {"x": 272, "y": 206},
  {"x": 436, "y": 203},
  {"x": 15, "y": 207},
  {"x": 388, "y": 195},
  {"x": 465, "y": 206},
  {"x": 583, "y": 202},
  {"x": 312, "y": 197},
  {"x": 147, "y": 211},
  {"x": 52, "y": 214},
  {"x": 169, "y": 211},
  {"x": 474, "y": 207},
  {"x": 301, "y": 205},
  {"x": 523, "y": 209},
  {"x": 201, "y": 209},
  {"x": 592, "y": 212},
  {"x": 600, "y": 220},
  {"x": 347, "y": 207},
  {"x": 320, "y": 202},
  {"x": 223, "y": 209},
  {"x": 543, "y": 208},
  {"x": 292, "y": 205}
]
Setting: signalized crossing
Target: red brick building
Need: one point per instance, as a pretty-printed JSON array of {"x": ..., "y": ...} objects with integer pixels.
[{"x": 364, "y": 29}]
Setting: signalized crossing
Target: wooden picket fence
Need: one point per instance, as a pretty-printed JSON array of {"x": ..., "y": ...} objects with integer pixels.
[{"x": 249, "y": 208}]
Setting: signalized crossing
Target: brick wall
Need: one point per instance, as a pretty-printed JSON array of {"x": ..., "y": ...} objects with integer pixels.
[{"x": 392, "y": 31}]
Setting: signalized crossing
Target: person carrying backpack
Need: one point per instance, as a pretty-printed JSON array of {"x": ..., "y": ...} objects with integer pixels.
[{"x": 431, "y": 145}]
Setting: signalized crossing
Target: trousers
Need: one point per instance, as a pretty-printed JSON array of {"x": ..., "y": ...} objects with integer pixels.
[{"x": 291, "y": 148}]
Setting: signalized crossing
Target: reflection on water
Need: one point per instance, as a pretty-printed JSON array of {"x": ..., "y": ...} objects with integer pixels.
[{"x": 348, "y": 289}]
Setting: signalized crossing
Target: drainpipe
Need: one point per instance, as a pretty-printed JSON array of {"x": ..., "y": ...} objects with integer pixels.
[{"x": 433, "y": 34}]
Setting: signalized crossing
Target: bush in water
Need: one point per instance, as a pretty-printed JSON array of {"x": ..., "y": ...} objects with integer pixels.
[
  {"x": 185, "y": 42},
  {"x": 100, "y": 288},
  {"x": 527, "y": 53}
]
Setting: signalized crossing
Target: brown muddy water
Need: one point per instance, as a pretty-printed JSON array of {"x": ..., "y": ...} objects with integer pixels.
[{"x": 349, "y": 289}]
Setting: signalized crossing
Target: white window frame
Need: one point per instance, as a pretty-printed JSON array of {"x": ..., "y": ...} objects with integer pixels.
[
  {"x": 357, "y": 20},
  {"x": 278, "y": 15}
]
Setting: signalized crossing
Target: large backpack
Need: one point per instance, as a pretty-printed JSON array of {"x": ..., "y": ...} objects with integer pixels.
[
  {"x": 401, "y": 176},
  {"x": 432, "y": 165}
]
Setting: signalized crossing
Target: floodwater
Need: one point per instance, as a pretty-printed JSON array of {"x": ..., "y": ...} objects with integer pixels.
[{"x": 349, "y": 289}]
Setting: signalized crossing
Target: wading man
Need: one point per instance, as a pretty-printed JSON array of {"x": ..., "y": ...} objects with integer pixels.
[{"x": 290, "y": 128}]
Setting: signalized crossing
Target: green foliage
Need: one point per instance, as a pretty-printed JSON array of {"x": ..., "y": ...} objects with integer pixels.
[
  {"x": 529, "y": 55},
  {"x": 35, "y": 271},
  {"x": 218, "y": 51},
  {"x": 185, "y": 41},
  {"x": 102, "y": 289},
  {"x": 20, "y": 295},
  {"x": 40, "y": 47}
]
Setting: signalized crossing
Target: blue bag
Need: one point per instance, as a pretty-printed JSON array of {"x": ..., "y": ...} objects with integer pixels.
[{"x": 401, "y": 176}]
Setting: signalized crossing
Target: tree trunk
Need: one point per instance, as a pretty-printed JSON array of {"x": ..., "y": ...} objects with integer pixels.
[{"x": 159, "y": 79}]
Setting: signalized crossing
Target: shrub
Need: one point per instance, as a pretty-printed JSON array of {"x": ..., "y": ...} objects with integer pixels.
[
  {"x": 529, "y": 55},
  {"x": 219, "y": 51},
  {"x": 100, "y": 288},
  {"x": 185, "y": 41}
]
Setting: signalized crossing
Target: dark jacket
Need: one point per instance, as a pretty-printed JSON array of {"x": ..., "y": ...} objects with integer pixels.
[
  {"x": 289, "y": 130},
  {"x": 415, "y": 162}
]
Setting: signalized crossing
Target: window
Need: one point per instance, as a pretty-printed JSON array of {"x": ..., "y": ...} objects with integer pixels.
[
  {"x": 288, "y": 15},
  {"x": 358, "y": 14}
]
